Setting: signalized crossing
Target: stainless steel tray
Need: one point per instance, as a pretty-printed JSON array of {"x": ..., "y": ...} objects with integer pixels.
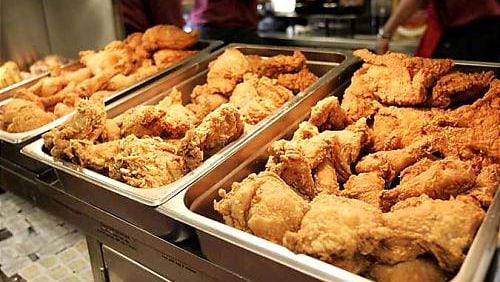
[
  {"x": 88, "y": 184},
  {"x": 259, "y": 259},
  {"x": 12, "y": 143}
]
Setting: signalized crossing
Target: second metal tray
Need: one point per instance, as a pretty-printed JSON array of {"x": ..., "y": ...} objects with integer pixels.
[{"x": 92, "y": 186}]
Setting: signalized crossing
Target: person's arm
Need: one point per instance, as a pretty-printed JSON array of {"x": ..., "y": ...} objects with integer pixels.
[{"x": 403, "y": 11}]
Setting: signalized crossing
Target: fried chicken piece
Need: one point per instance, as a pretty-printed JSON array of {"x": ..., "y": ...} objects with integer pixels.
[
  {"x": 225, "y": 72},
  {"x": 487, "y": 183},
  {"x": 111, "y": 131},
  {"x": 98, "y": 157},
  {"x": 262, "y": 204},
  {"x": 165, "y": 58},
  {"x": 256, "y": 98},
  {"x": 277, "y": 65},
  {"x": 358, "y": 100},
  {"x": 365, "y": 187},
  {"x": 305, "y": 131},
  {"x": 29, "y": 117},
  {"x": 141, "y": 163},
  {"x": 443, "y": 228},
  {"x": 338, "y": 230},
  {"x": 396, "y": 79},
  {"x": 203, "y": 102},
  {"x": 134, "y": 41},
  {"x": 216, "y": 130},
  {"x": 395, "y": 128},
  {"x": 297, "y": 82},
  {"x": 87, "y": 123},
  {"x": 167, "y": 119},
  {"x": 444, "y": 179},
  {"x": 110, "y": 60},
  {"x": 26, "y": 94},
  {"x": 459, "y": 87},
  {"x": 416, "y": 270},
  {"x": 327, "y": 115},
  {"x": 120, "y": 81},
  {"x": 77, "y": 76},
  {"x": 415, "y": 169},
  {"x": 299, "y": 161},
  {"x": 62, "y": 109},
  {"x": 146, "y": 163},
  {"x": 168, "y": 37},
  {"x": 388, "y": 164},
  {"x": 14, "y": 107}
]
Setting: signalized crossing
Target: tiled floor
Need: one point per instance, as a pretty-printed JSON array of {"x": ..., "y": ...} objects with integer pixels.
[{"x": 38, "y": 246}]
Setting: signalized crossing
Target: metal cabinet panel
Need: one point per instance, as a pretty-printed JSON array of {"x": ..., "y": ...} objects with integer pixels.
[{"x": 120, "y": 268}]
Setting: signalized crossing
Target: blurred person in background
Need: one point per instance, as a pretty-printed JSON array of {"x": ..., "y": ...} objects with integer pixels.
[
  {"x": 139, "y": 15},
  {"x": 456, "y": 29},
  {"x": 226, "y": 20}
]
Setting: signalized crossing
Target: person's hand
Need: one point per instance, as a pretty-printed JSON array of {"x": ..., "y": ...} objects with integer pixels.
[{"x": 381, "y": 45}]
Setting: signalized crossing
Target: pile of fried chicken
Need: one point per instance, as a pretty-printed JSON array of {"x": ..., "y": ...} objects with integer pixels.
[
  {"x": 149, "y": 146},
  {"x": 392, "y": 183},
  {"x": 118, "y": 65}
]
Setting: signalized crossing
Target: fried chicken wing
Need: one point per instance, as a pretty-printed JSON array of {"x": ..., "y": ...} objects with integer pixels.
[
  {"x": 262, "y": 204},
  {"x": 388, "y": 164},
  {"x": 338, "y": 230},
  {"x": 277, "y": 65},
  {"x": 416, "y": 270},
  {"x": 459, "y": 87},
  {"x": 297, "y": 82},
  {"x": 29, "y": 117},
  {"x": 256, "y": 98},
  {"x": 444, "y": 179},
  {"x": 396, "y": 79},
  {"x": 365, "y": 187},
  {"x": 168, "y": 37},
  {"x": 327, "y": 115}
]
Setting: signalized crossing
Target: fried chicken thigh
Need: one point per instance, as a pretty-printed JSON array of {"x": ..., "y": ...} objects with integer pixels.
[
  {"x": 264, "y": 205},
  {"x": 256, "y": 98},
  {"x": 297, "y": 82},
  {"x": 396, "y": 79},
  {"x": 443, "y": 228},
  {"x": 365, "y": 187},
  {"x": 338, "y": 230}
]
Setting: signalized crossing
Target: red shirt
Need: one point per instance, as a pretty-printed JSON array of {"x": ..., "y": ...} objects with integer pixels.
[
  {"x": 225, "y": 13},
  {"x": 142, "y": 14},
  {"x": 452, "y": 13}
]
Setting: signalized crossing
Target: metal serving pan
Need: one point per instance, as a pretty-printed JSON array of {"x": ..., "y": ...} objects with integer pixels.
[
  {"x": 12, "y": 143},
  {"x": 258, "y": 259},
  {"x": 111, "y": 194}
]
